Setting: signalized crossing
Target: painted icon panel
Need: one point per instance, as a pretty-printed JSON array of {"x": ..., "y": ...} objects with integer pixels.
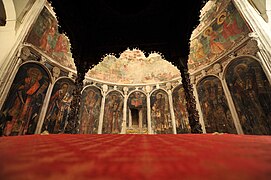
[
  {"x": 180, "y": 110},
  {"x": 160, "y": 113},
  {"x": 59, "y": 106},
  {"x": 215, "y": 109},
  {"x": 90, "y": 110},
  {"x": 21, "y": 110},
  {"x": 251, "y": 93},
  {"x": 113, "y": 113}
]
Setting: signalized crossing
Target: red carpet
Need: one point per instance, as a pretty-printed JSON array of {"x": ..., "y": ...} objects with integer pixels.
[{"x": 186, "y": 156}]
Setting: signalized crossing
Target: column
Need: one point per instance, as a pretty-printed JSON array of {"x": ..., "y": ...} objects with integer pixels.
[
  {"x": 44, "y": 109},
  {"x": 72, "y": 126},
  {"x": 172, "y": 115},
  {"x": 193, "y": 115},
  {"x": 199, "y": 109},
  {"x": 232, "y": 108},
  {"x": 100, "y": 127},
  {"x": 123, "y": 130},
  {"x": 149, "y": 113}
]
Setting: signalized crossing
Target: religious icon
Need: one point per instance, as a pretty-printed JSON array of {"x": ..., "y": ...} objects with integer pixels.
[
  {"x": 59, "y": 106},
  {"x": 22, "y": 107},
  {"x": 216, "y": 113},
  {"x": 160, "y": 113},
  {"x": 112, "y": 122},
  {"x": 251, "y": 93},
  {"x": 90, "y": 110}
]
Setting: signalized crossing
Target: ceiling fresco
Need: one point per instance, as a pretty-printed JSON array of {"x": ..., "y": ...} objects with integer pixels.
[{"x": 133, "y": 67}]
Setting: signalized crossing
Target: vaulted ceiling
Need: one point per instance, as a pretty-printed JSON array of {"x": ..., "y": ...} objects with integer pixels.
[{"x": 99, "y": 27}]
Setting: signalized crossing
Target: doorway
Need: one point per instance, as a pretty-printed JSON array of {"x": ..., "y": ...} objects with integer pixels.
[{"x": 135, "y": 117}]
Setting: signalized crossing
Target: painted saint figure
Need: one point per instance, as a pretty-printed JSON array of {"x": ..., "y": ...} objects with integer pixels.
[
  {"x": 24, "y": 109},
  {"x": 160, "y": 113},
  {"x": 90, "y": 107},
  {"x": 113, "y": 114},
  {"x": 58, "y": 110}
]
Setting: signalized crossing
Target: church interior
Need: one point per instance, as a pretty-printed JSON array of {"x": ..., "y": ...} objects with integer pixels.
[{"x": 151, "y": 89}]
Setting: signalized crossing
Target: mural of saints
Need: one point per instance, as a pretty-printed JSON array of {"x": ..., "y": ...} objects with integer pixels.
[
  {"x": 216, "y": 113},
  {"x": 90, "y": 111},
  {"x": 180, "y": 109},
  {"x": 45, "y": 35},
  {"x": 160, "y": 113},
  {"x": 59, "y": 106},
  {"x": 251, "y": 93},
  {"x": 225, "y": 32},
  {"x": 21, "y": 110},
  {"x": 113, "y": 112}
]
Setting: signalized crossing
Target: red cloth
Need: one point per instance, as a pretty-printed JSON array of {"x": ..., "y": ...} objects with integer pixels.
[{"x": 186, "y": 156}]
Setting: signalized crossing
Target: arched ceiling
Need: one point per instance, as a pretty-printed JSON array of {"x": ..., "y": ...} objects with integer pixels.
[{"x": 98, "y": 27}]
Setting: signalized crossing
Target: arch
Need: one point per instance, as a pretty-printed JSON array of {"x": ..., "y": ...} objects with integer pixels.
[
  {"x": 25, "y": 99},
  {"x": 203, "y": 77},
  {"x": 3, "y": 16},
  {"x": 162, "y": 89},
  {"x": 113, "y": 90},
  {"x": 251, "y": 94},
  {"x": 43, "y": 66},
  {"x": 88, "y": 86},
  {"x": 236, "y": 59},
  {"x": 216, "y": 113},
  {"x": 137, "y": 91},
  {"x": 10, "y": 14}
]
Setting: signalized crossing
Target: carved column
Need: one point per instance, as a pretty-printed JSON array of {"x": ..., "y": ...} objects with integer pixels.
[
  {"x": 125, "y": 90},
  {"x": 172, "y": 111},
  {"x": 101, "y": 118},
  {"x": 72, "y": 126},
  {"x": 148, "y": 89},
  {"x": 199, "y": 108},
  {"x": 193, "y": 115}
]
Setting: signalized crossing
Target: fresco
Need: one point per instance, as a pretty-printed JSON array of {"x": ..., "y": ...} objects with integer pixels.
[
  {"x": 59, "y": 106},
  {"x": 160, "y": 113},
  {"x": 133, "y": 67},
  {"x": 21, "y": 110},
  {"x": 113, "y": 113},
  {"x": 137, "y": 104},
  {"x": 180, "y": 109},
  {"x": 90, "y": 110},
  {"x": 211, "y": 9},
  {"x": 215, "y": 109},
  {"x": 251, "y": 93},
  {"x": 227, "y": 30},
  {"x": 45, "y": 36}
]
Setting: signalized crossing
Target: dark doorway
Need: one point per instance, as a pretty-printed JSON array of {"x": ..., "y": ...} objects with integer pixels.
[{"x": 135, "y": 116}]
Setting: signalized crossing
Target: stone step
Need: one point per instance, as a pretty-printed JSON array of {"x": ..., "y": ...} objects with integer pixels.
[{"x": 137, "y": 131}]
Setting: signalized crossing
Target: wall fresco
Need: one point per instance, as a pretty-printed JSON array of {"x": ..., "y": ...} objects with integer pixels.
[
  {"x": 59, "y": 106},
  {"x": 251, "y": 93},
  {"x": 113, "y": 113},
  {"x": 137, "y": 104},
  {"x": 21, "y": 110},
  {"x": 90, "y": 110},
  {"x": 45, "y": 35},
  {"x": 133, "y": 67},
  {"x": 215, "y": 109},
  {"x": 226, "y": 31},
  {"x": 160, "y": 113},
  {"x": 180, "y": 109}
]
